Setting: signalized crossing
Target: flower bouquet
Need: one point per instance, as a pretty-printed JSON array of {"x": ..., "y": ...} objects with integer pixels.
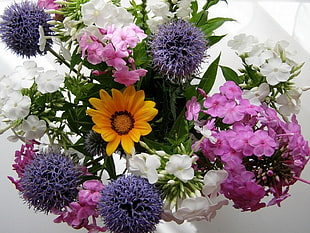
[{"x": 129, "y": 134}]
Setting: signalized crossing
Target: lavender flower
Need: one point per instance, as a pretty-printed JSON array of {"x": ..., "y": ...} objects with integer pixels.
[
  {"x": 130, "y": 204},
  {"x": 178, "y": 48},
  {"x": 50, "y": 181},
  {"x": 19, "y": 28}
]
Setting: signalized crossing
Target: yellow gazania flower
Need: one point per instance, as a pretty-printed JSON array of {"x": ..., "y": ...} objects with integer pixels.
[{"x": 122, "y": 118}]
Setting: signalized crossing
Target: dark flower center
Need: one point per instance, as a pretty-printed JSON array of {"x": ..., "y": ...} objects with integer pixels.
[{"x": 122, "y": 122}]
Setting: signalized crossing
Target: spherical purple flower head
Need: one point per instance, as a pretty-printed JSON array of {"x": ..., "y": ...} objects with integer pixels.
[
  {"x": 50, "y": 181},
  {"x": 94, "y": 144},
  {"x": 130, "y": 204},
  {"x": 178, "y": 48},
  {"x": 20, "y": 26}
]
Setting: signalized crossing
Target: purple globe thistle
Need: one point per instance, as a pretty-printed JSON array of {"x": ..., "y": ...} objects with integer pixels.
[
  {"x": 177, "y": 49},
  {"x": 50, "y": 181},
  {"x": 20, "y": 26},
  {"x": 94, "y": 144},
  {"x": 130, "y": 204}
]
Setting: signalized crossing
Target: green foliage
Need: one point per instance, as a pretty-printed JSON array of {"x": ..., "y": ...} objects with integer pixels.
[
  {"x": 230, "y": 75},
  {"x": 209, "y": 76}
]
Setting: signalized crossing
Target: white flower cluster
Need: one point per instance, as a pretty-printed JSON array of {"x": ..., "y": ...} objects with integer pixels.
[
  {"x": 273, "y": 61},
  {"x": 160, "y": 11},
  {"x": 103, "y": 13},
  {"x": 201, "y": 205},
  {"x": 14, "y": 106}
]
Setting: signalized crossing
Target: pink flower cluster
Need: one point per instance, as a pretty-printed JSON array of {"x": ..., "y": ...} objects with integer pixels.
[
  {"x": 22, "y": 157},
  {"x": 48, "y": 4},
  {"x": 77, "y": 214},
  {"x": 114, "y": 47},
  {"x": 262, "y": 154}
]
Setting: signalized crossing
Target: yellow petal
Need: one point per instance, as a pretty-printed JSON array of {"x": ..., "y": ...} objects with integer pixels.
[
  {"x": 137, "y": 102},
  {"x": 118, "y": 100},
  {"x": 135, "y": 134},
  {"x": 127, "y": 144},
  {"x": 111, "y": 147},
  {"x": 143, "y": 127},
  {"x": 108, "y": 135},
  {"x": 145, "y": 114}
]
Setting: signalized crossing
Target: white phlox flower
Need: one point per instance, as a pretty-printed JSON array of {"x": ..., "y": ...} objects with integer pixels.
[
  {"x": 194, "y": 209},
  {"x": 49, "y": 81},
  {"x": 17, "y": 106},
  {"x": 205, "y": 131},
  {"x": 104, "y": 13},
  {"x": 6, "y": 87},
  {"x": 144, "y": 165},
  {"x": 212, "y": 181},
  {"x": 275, "y": 71},
  {"x": 42, "y": 39},
  {"x": 23, "y": 76},
  {"x": 180, "y": 166},
  {"x": 258, "y": 55},
  {"x": 155, "y": 22},
  {"x": 184, "y": 9},
  {"x": 160, "y": 9},
  {"x": 289, "y": 102},
  {"x": 70, "y": 27},
  {"x": 242, "y": 43},
  {"x": 33, "y": 127},
  {"x": 257, "y": 94}
]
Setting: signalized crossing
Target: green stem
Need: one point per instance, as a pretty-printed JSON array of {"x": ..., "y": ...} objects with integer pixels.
[{"x": 62, "y": 60}]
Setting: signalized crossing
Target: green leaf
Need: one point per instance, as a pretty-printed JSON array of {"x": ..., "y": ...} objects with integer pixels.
[
  {"x": 213, "y": 24},
  {"x": 180, "y": 128},
  {"x": 209, "y": 76},
  {"x": 230, "y": 75},
  {"x": 211, "y": 3},
  {"x": 214, "y": 39},
  {"x": 200, "y": 18},
  {"x": 190, "y": 92}
]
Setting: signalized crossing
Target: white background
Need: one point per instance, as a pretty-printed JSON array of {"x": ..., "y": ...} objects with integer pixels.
[{"x": 277, "y": 20}]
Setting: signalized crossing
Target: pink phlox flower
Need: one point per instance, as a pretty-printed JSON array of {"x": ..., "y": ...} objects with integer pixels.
[
  {"x": 231, "y": 112},
  {"x": 139, "y": 32},
  {"x": 90, "y": 195},
  {"x": 231, "y": 90},
  {"x": 262, "y": 143},
  {"x": 202, "y": 92},
  {"x": 207, "y": 149},
  {"x": 22, "y": 158},
  {"x": 109, "y": 32},
  {"x": 193, "y": 109},
  {"x": 124, "y": 38},
  {"x": 279, "y": 198},
  {"x": 128, "y": 77},
  {"x": 114, "y": 57},
  {"x": 221, "y": 145},
  {"x": 269, "y": 117},
  {"x": 243, "y": 191},
  {"x": 48, "y": 4},
  {"x": 249, "y": 108},
  {"x": 77, "y": 214},
  {"x": 240, "y": 141},
  {"x": 92, "y": 48},
  {"x": 214, "y": 104}
]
